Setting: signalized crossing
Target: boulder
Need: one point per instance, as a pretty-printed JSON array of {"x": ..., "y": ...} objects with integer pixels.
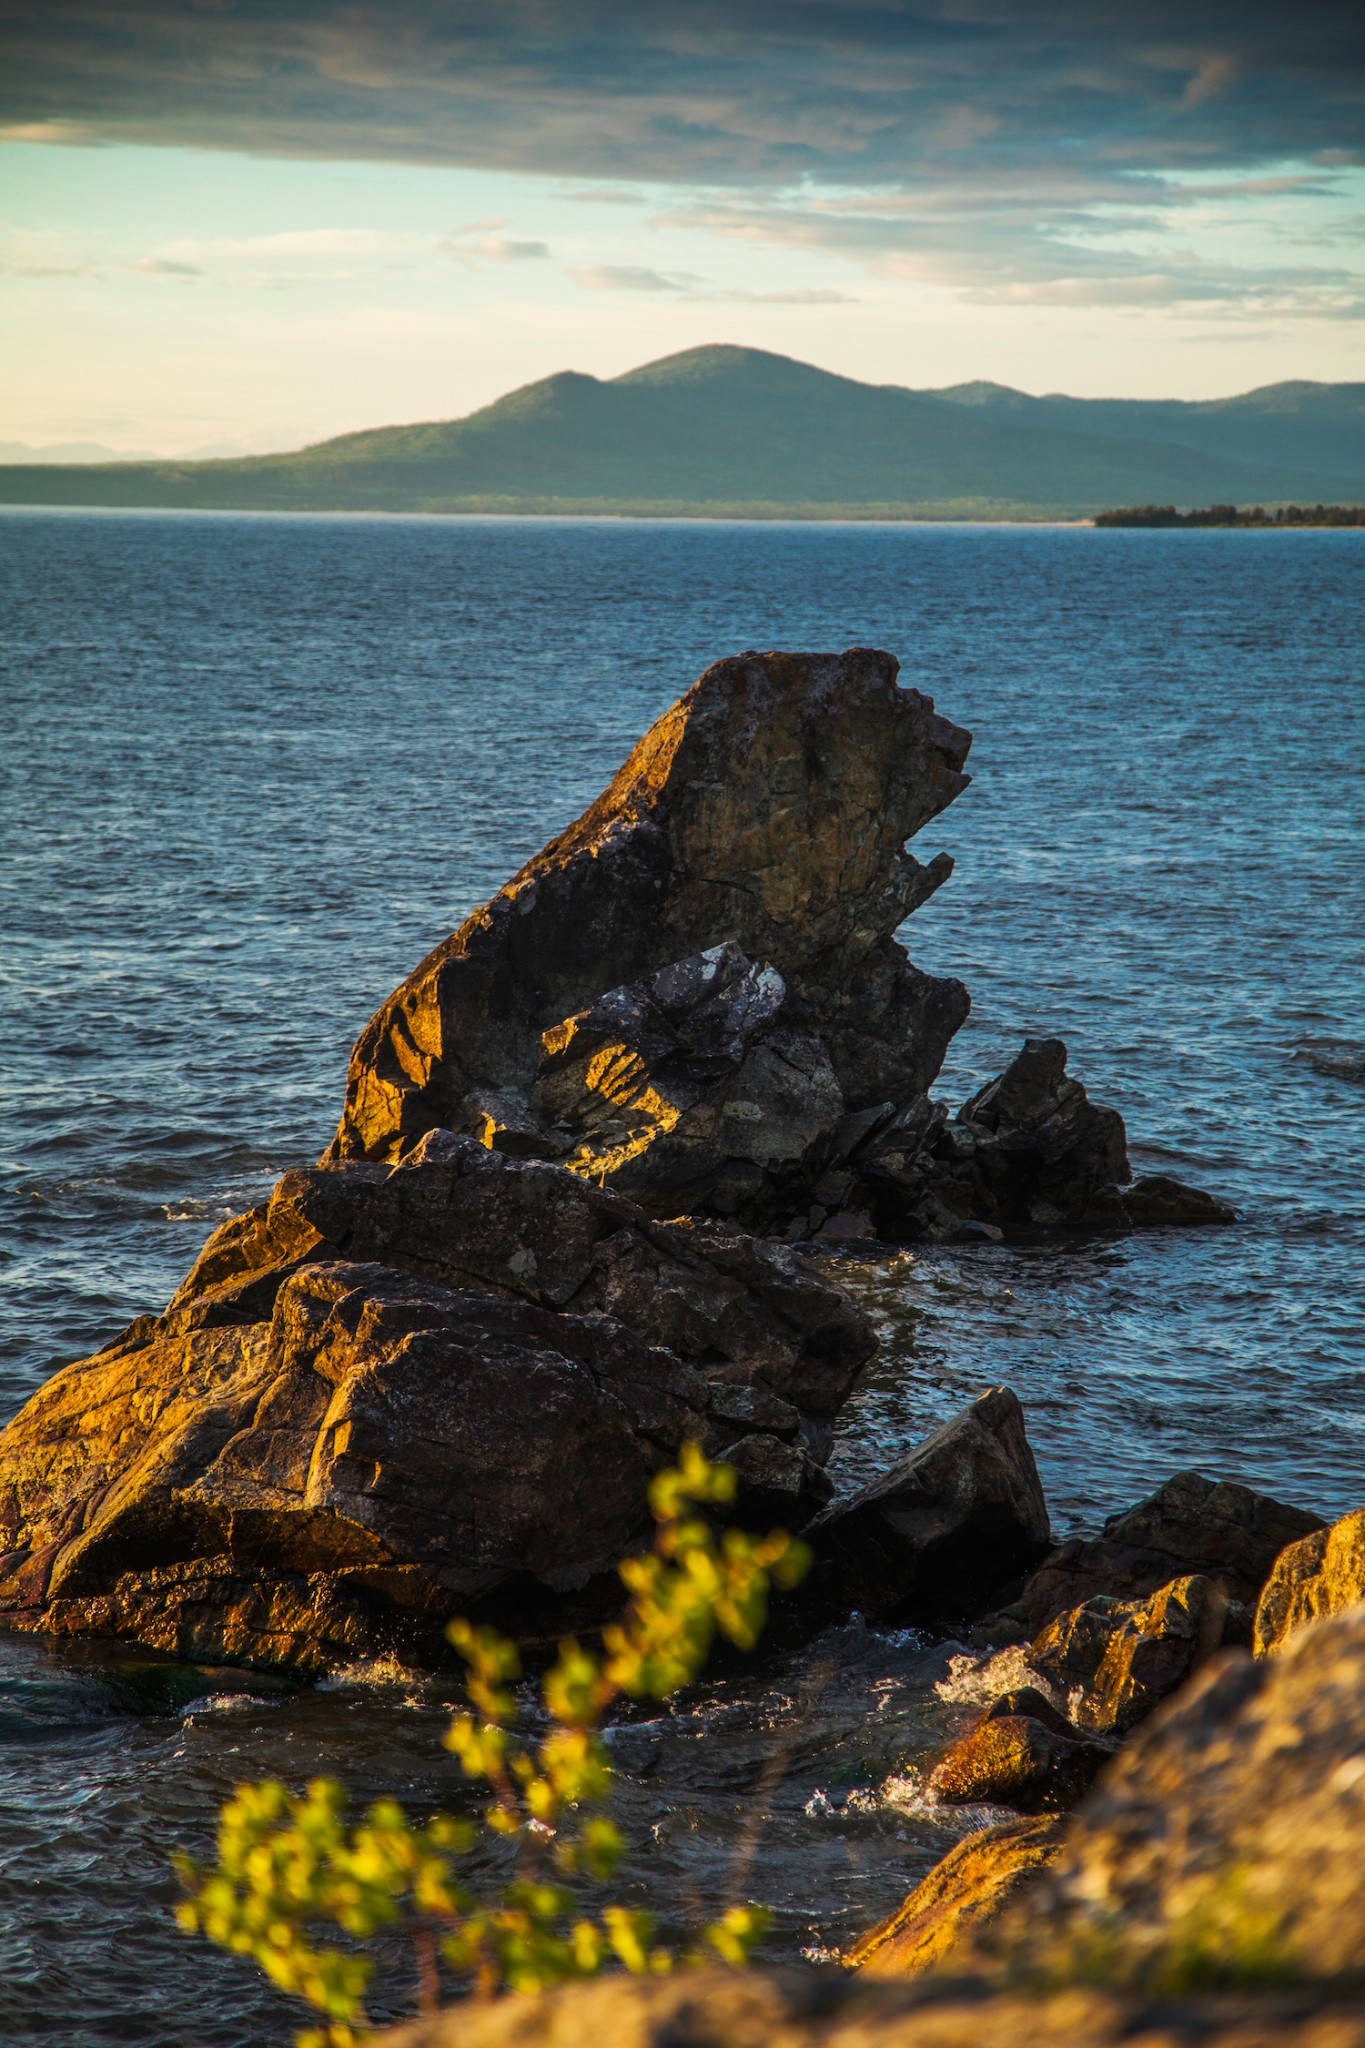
[
  {"x": 979, "y": 1876},
  {"x": 1223, "y": 1845},
  {"x": 1035, "y": 1146},
  {"x": 769, "y": 807},
  {"x": 1321, "y": 1574},
  {"x": 813, "y": 2009},
  {"x": 1115, "y": 1660},
  {"x": 390, "y": 1394},
  {"x": 456, "y": 1211},
  {"x": 1022, "y": 1753},
  {"x": 1191, "y": 1524},
  {"x": 930, "y": 1541}
]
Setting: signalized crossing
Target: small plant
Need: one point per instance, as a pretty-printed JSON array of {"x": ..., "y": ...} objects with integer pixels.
[{"x": 290, "y": 1866}]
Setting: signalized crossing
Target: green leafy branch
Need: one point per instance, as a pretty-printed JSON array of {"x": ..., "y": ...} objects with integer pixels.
[{"x": 290, "y": 1866}]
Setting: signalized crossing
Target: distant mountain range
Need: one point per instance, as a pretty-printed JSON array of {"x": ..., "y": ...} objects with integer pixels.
[{"x": 740, "y": 432}]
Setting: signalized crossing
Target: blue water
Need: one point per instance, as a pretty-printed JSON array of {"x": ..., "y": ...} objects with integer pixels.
[{"x": 256, "y": 767}]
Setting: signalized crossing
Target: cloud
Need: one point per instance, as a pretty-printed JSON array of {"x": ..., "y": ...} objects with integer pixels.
[
  {"x": 726, "y": 92},
  {"x": 627, "y": 277},
  {"x": 500, "y": 249},
  {"x": 815, "y": 297},
  {"x": 162, "y": 266},
  {"x": 970, "y": 145},
  {"x": 48, "y": 269},
  {"x": 605, "y": 196}
]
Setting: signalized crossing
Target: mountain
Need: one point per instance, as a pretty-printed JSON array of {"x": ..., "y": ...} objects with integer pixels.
[
  {"x": 1297, "y": 425},
  {"x": 65, "y": 451},
  {"x": 733, "y": 430}
]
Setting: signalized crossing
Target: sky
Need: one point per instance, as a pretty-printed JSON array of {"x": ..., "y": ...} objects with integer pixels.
[{"x": 239, "y": 225}]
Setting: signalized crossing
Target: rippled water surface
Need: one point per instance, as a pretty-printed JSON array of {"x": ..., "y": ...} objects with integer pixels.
[{"x": 255, "y": 768}]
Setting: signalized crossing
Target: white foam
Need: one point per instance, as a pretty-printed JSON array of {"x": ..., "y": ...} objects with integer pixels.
[{"x": 975, "y": 1680}]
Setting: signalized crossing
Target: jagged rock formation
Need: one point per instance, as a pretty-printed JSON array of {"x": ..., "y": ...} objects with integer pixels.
[
  {"x": 392, "y": 1393},
  {"x": 769, "y": 808},
  {"x": 442, "y": 1365},
  {"x": 1322, "y": 1574},
  {"x": 695, "y": 994}
]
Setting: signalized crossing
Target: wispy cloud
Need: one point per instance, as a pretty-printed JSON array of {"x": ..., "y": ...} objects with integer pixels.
[
  {"x": 162, "y": 266},
  {"x": 628, "y": 277},
  {"x": 503, "y": 249},
  {"x": 815, "y": 296}
]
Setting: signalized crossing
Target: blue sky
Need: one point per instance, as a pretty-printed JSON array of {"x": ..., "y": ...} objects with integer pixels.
[{"x": 241, "y": 226}]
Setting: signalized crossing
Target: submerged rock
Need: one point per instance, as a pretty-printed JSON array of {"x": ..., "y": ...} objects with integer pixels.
[
  {"x": 932, "y": 1539},
  {"x": 392, "y": 1392},
  {"x": 959, "y": 1896},
  {"x": 1214, "y": 1528},
  {"x": 1321, "y": 1574}
]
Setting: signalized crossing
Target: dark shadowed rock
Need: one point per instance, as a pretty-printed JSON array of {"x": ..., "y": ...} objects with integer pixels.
[
  {"x": 393, "y": 1392},
  {"x": 932, "y": 1538},
  {"x": 1029, "y": 1151},
  {"x": 769, "y": 807},
  {"x": 1215, "y": 1528},
  {"x": 1321, "y": 1574},
  {"x": 1115, "y": 1660},
  {"x": 974, "y": 1881},
  {"x": 1036, "y": 1146},
  {"x": 1224, "y": 1844},
  {"x": 1021, "y": 1753}
]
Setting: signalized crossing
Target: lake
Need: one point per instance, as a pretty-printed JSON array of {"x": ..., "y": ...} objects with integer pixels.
[{"x": 257, "y": 766}]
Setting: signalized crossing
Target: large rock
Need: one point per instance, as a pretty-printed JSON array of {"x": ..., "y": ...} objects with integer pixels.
[
  {"x": 1191, "y": 1524},
  {"x": 960, "y": 1895},
  {"x": 1321, "y": 1574},
  {"x": 1022, "y": 1753},
  {"x": 392, "y": 1393},
  {"x": 1224, "y": 1844},
  {"x": 808, "y": 2009},
  {"x": 769, "y": 807},
  {"x": 1113, "y": 1661},
  {"x": 932, "y": 1539}
]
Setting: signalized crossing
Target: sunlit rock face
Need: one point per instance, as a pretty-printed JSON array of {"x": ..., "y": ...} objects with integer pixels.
[
  {"x": 391, "y": 1394},
  {"x": 1226, "y": 1838},
  {"x": 690, "y": 988}
]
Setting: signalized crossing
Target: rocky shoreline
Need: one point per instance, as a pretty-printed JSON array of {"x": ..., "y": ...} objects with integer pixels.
[
  {"x": 564, "y": 1228},
  {"x": 559, "y": 1233}
]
